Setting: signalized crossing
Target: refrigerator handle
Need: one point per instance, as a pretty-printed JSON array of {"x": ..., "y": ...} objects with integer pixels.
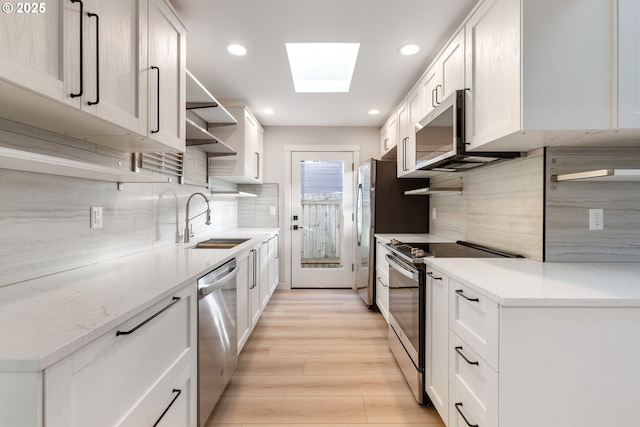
[{"x": 359, "y": 215}]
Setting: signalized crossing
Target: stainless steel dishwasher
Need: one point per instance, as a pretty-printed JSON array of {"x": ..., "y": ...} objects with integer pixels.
[{"x": 217, "y": 335}]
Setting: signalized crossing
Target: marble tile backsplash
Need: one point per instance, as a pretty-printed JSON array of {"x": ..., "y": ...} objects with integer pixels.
[
  {"x": 260, "y": 211},
  {"x": 568, "y": 237},
  {"x": 44, "y": 219}
]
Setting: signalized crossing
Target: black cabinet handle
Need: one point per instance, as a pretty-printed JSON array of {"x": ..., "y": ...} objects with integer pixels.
[
  {"x": 459, "y": 351},
  {"x": 177, "y": 394},
  {"x": 430, "y": 274},
  {"x": 433, "y": 102},
  {"x": 157, "y": 129},
  {"x": 75, "y": 95},
  {"x": 95, "y": 15},
  {"x": 130, "y": 331},
  {"x": 458, "y": 406},
  {"x": 461, "y": 293}
]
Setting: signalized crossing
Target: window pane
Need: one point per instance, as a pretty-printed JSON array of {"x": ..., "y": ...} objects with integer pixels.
[{"x": 321, "y": 184}]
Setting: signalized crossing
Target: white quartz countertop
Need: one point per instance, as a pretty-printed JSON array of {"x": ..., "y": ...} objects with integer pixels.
[
  {"x": 46, "y": 319},
  {"x": 524, "y": 282}
]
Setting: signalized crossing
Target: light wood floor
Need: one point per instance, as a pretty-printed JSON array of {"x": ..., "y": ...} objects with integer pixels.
[{"x": 319, "y": 358}]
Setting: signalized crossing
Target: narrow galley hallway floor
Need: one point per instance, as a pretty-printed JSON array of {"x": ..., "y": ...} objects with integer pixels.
[{"x": 319, "y": 358}]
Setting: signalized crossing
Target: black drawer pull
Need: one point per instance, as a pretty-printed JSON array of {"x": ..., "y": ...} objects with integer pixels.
[
  {"x": 459, "y": 351},
  {"x": 430, "y": 274},
  {"x": 461, "y": 293},
  {"x": 130, "y": 331},
  {"x": 177, "y": 392},
  {"x": 458, "y": 406}
]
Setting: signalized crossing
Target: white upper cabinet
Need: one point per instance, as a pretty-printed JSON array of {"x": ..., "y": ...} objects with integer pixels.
[
  {"x": 408, "y": 115},
  {"x": 445, "y": 76},
  {"x": 389, "y": 137},
  {"x": 31, "y": 52},
  {"x": 84, "y": 68},
  {"x": 167, "y": 76},
  {"x": 539, "y": 72},
  {"x": 246, "y": 139},
  {"x": 103, "y": 62},
  {"x": 628, "y": 84}
]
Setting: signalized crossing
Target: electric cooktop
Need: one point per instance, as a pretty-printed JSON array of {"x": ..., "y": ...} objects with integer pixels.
[{"x": 459, "y": 249}]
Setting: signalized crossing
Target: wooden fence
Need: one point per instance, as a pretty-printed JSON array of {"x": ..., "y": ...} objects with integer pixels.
[{"x": 322, "y": 232}]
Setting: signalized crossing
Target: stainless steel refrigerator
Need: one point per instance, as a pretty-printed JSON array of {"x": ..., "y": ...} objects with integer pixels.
[{"x": 382, "y": 207}]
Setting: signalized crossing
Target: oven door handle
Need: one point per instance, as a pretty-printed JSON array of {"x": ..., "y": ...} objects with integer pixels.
[{"x": 404, "y": 270}]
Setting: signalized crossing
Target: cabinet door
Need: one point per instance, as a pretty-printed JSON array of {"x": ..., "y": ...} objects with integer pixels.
[
  {"x": 437, "y": 341},
  {"x": 243, "y": 279},
  {"x": 408, "y": 116},
  {"x": 628, "y": 64},
  {"x": 273, "y": 264},
  {"x": 31, "y": 53},
  {"x": 167, "y": 76},
  {"x": 122, "y": 57},
  {"x": 451, "y": 68},
  {"x": 428, "y": 86},
  {"x": 254, "y": 289},
  {"x": 253, "y": 153},
  {"x": 492, "y": 39},
  {"x": 403, "y": 123},
  {"x": 389, "y": 135},
  {"x": 263, "y": 275}
]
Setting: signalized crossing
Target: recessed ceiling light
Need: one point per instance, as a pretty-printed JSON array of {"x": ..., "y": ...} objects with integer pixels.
[
  {"x": 269, "y": 111},
  {"x": 374, "y": 112},
  {"x": 237, "y": 49},
  {"x": 409, "y": 49},
  {"x": 322, "y": 67}
]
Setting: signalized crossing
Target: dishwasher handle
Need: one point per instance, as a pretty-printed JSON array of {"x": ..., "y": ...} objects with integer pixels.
[{"x": 206, "y": 289}]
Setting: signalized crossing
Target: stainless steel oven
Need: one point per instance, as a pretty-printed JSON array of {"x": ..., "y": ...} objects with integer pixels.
[
  {"x": 407, "y": 301},
  {"x": 406, "y": 320}
]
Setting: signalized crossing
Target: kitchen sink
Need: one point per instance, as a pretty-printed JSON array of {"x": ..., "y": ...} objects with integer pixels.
[{"x": 219, "y": 243}]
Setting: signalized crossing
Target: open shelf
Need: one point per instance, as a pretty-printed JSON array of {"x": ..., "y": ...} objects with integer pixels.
[
  {"x": 429, "y": 191},
  {"x": 38, "y": 163},
  {"x": 205, "y": 105},
  {"x": 600, "y": 175},
  {"x": 196, "y": 135}
]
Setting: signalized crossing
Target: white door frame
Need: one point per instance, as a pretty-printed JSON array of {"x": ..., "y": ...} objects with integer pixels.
[{"x": 286, "y": 220}]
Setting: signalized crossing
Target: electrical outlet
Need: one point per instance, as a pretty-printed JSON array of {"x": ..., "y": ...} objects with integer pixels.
[
  {"x": 96, "y": 217},
  {"x": 272, "y": 210},
  {"x": 433, "y": 213},
  {"x": 596, "y": 219}
]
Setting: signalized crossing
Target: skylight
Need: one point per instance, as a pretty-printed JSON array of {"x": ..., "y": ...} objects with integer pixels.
[{"x": 322, "y": 67}]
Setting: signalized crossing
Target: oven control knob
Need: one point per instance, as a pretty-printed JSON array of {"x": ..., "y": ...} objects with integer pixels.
[{"x": 417, "y": 252}]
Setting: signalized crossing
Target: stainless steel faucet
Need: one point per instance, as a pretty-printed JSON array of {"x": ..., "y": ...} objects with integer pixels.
[{"x": 187, "y": 232}]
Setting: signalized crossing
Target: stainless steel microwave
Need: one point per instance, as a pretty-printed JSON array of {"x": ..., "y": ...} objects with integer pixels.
[{"x": 440, "y": 139}]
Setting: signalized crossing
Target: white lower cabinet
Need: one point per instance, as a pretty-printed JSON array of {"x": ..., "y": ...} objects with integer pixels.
[
  {"x": 532, "y": 366},
  {"x": 130, "y": 375},
  {"x": 257, "y": 280},
  {"x": 244, "y": 281},
  {"x": 382, "y": 280},
  {"x": 437, "y": 339}
]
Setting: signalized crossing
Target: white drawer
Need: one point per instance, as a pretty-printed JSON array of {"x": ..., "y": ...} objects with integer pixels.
[
  {"x": 100, "y": 383},
  {"x": 474, "y": 383},
  {"x": 475, "y": 319}
]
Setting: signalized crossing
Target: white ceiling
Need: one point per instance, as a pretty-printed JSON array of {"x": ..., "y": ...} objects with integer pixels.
[{"x": 262, "y": 78}]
